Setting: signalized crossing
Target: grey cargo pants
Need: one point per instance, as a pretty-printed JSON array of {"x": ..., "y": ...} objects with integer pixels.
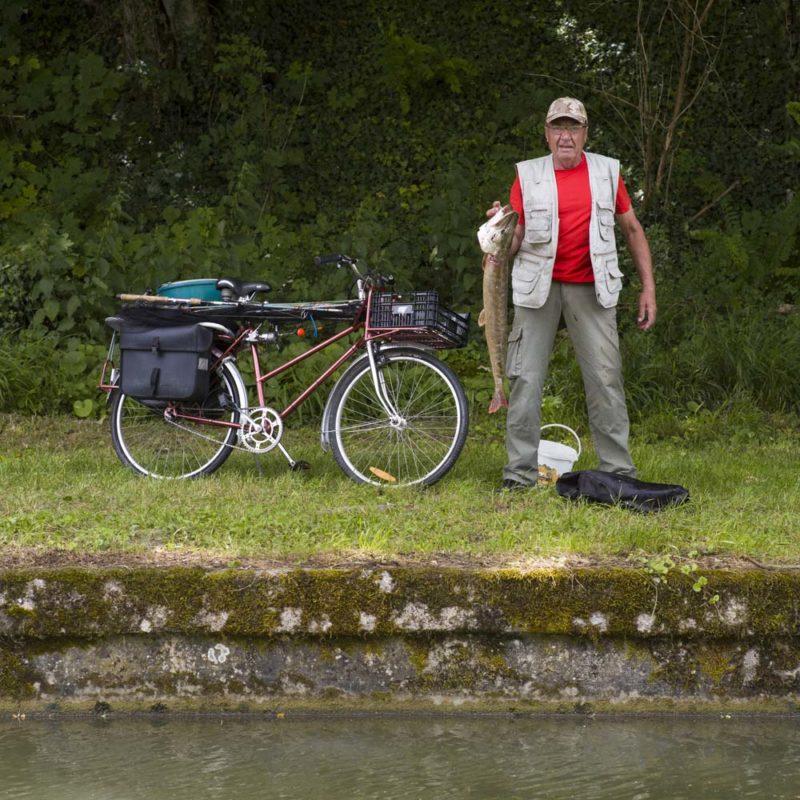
[{"x": 593, "y": 332}]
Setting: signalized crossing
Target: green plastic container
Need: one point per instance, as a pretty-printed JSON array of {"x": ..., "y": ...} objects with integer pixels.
[{"x": 199, "y": 288}]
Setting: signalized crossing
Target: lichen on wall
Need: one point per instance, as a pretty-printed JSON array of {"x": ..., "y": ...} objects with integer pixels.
[{"x": 610, "y": 635}]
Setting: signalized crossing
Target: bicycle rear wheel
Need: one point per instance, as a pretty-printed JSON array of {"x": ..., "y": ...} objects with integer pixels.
[
  {"x": 418, "y": 447},
  {"x": 151, "y": 440}
]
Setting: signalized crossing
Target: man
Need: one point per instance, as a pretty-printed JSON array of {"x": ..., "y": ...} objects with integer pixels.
[{"x": 566, "y": 266}]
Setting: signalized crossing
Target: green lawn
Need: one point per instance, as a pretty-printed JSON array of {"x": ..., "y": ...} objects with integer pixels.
[{"x": 63, "y": 489}]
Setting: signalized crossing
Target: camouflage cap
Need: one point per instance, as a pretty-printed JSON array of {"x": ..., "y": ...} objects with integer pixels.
[{"x": 567, "y": 107}]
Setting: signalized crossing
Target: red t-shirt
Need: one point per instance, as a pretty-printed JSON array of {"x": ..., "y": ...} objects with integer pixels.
[{"x": 573, "y": 262}]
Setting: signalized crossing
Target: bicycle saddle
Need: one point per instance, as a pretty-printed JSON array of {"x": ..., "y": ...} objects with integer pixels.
[{"x": 241, "y": 288}]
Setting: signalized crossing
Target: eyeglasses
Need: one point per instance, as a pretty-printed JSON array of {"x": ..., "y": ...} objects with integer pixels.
[{"x": 570, "y": 129}]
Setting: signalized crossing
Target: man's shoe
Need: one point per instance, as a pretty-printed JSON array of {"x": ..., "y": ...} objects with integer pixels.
[{"x": 512, "y": 485}]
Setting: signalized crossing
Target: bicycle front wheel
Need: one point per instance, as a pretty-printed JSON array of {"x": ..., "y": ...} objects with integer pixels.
[
  {"x": 417, "y": 446},
  {"x": 181, "y": 439}
]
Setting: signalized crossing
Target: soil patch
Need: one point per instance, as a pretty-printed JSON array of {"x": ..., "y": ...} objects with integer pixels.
[{"x": 42, "y": 558}]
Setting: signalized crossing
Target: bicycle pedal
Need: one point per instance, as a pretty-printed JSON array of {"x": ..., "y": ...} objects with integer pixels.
[{"x": 300, "y": 465}]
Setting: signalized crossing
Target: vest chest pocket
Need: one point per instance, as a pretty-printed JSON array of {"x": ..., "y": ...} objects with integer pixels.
[
  {"x": 601, "y": 191},
  {"x": 538, "y": 225},
  {"x": 605, "y": 222}
]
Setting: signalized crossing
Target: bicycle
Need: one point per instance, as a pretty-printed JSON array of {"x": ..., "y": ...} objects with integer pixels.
[{"x": 397, "y": 415}]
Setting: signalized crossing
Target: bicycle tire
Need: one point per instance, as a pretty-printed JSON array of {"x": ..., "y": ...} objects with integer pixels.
[
  {"x": 147, "y": 442},
  {"x": 418, "y": 449}
]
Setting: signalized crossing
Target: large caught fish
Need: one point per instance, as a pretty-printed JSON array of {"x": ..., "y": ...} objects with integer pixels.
[{"x": 494, "y": 237}]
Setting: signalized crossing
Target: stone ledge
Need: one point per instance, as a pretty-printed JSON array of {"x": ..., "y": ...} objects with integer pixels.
[
  {"x": 77, "y": 603},
  {"x": 398, "y": 637}
]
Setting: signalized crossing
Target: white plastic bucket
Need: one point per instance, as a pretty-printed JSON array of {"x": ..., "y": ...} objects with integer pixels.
[{"x": 557, "y": 456}]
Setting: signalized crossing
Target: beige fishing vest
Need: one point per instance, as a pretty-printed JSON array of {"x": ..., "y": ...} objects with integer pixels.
[{"x": 532, "y": 274}]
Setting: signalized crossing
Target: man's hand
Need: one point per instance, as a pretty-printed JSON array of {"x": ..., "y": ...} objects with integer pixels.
[
  {"x": 647, "y": 310},
  {"x": 496, "y": 206}
]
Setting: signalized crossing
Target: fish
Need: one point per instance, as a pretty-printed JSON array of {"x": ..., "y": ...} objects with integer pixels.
[{"x": 494, "y": 238}]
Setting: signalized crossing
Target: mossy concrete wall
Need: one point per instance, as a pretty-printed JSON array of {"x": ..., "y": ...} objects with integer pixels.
[{"x": 397, "y": 638}]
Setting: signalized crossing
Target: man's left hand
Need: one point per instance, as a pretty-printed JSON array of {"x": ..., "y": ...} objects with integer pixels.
[{"x": 647, "y": 310}]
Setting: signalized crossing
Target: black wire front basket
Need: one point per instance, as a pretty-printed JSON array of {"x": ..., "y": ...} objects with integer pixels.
[{"x": 417, "y": 316}]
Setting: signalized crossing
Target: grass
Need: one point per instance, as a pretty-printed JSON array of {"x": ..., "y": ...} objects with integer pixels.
[{"x": 63, "y": 489}]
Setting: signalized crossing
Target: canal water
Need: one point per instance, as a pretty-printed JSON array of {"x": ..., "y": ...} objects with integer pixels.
[{"x": 422, "y": 757}]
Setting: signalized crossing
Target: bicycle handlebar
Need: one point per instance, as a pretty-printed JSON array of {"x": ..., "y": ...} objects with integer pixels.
[
  {"x": 372, "y": 279},
  {"x": 338, "y": 258}
]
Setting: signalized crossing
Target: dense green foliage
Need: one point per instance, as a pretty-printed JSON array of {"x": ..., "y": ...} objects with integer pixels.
[{"x": 146, "y": 141}]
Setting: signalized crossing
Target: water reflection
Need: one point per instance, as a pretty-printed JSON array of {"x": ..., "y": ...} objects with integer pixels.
[{"x": 486, "y": 758}]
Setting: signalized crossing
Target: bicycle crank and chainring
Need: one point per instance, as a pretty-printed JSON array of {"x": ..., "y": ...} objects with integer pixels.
[{"x": 261, "y": 429}]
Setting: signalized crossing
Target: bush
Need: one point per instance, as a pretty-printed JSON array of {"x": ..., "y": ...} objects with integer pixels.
[
  {"x": 717, "y": 357},
  {"x": 47, "y": 374}
]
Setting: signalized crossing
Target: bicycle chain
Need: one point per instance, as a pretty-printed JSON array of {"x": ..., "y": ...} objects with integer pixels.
[{"x": 270, "y": 443}]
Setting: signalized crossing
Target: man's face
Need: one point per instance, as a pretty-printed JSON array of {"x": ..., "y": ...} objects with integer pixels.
[{"x": 566, "y": 139}]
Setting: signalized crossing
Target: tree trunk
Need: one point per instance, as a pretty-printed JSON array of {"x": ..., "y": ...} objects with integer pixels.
[{"x": 162, "y": 32}]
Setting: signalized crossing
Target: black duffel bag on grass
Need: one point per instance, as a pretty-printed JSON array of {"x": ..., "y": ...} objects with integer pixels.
[
  {"x": 613, "y": 489},
  {"x": 165, "y": 363}
]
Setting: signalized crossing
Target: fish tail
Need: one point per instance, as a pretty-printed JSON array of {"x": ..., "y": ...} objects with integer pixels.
[{"x": 498, "y": 401}]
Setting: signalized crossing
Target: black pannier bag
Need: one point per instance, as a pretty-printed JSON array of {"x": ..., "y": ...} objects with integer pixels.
[
  {"x": 610, "y": 488},
  {"x": 166, "y": 363}
]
